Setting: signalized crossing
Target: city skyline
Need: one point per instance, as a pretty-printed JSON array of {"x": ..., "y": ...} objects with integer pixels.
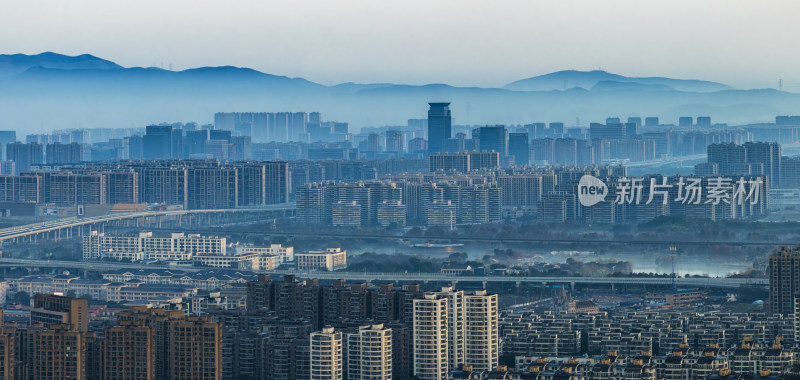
[{"x": 460, "y": 42}]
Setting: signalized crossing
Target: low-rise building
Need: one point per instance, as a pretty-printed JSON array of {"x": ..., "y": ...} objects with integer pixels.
[
  {"x": 330, "y": 259},
  {"x": 284, "y": 254}
]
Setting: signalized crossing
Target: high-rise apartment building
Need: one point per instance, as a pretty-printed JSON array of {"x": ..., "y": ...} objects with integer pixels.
[
  {"x": 58, "y": 153},
  {"x": 610, "y": 131},
  {"x": 160, "y": 321},
  {"x": 521, "y": 190},
  {"x": 261, "y": 183},
  {"x": 6, "y": 137},
  {"x": 480, "y": 204},
  {"x": 251, "y": 186},
  {"x": 212, "y": 188},
  {"x": 158, "y": 142},
  {"x": 8, "y": 350},
  {"x": 492, "y": 139},
  {"x": 430, "y": 339},
  {"x": 129, "y": 351},
  {"x": 24, "y": 155},
  {"x": 456, "y": 331},
  {"x": 394, "y": 141},
  {"x": 123, "y": 187},
  {"x": 7, "y": 167},
  {"x": 369, "y": 353},
  {"x": 768, "y": 156},
  {"x": 784, "y": 280},
  {"x": 439, "y": 126},
  {"x": 484, "y": 160},
  {"x": 327, "y": 361},
  {"x": 195, "y": 349},
  {"x": 277, "y": 182},
  {"x": 519, "y": 148},
  {"x": 58, "y": 352},
  {"x": 51, "y": 309},
  {"x": 481, "y": 338},
  {"x": 449, "y": 162},
  {"x": 310, "y": 203},
  {"x": 163, "y": 184}
]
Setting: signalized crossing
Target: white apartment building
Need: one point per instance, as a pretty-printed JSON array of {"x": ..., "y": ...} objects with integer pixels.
[
  {"x": 284, "y": 254},
  {"x": 249, "y": 261},
  {"x": 455, "y": 325},
  {"x": 430, "y": 340},
  {"x": 482, "y": 340},
  {"x": 326, "y": 355},
  {"x": 369, "y": 353},
  {"x": 266, "y": 263},
  {"x": 176, "y": 247},
  {"x": 329, "y": 259}
]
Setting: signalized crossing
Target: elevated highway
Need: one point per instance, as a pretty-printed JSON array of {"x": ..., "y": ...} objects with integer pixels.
[{"x": 67, "y": 227}]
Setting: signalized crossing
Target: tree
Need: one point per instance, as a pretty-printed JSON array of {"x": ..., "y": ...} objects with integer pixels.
[
  {"x": 457, "y": 257},
  {"x": 22, "y": 298}
]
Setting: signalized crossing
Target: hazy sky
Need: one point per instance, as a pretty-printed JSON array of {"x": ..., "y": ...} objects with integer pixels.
[{"x": 743, "y": 43}]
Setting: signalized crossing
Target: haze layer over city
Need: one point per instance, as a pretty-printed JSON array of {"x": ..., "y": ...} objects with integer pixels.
[{"x": 399, "y": 190}]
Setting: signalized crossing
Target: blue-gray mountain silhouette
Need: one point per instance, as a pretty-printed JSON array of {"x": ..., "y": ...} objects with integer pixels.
[
  {"x": 53, "y": 91},
  {"x": 562, "y": 80}
]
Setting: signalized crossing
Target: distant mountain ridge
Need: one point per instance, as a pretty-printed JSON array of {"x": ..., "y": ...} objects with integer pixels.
[
  {"x": 562, "y": 80},
  {"x": 49, "y": 91},
  {"x": 17, "y": 63}
]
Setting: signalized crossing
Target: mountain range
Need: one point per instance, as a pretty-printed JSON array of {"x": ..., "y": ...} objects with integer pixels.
[{"x": 49, "y": 91}]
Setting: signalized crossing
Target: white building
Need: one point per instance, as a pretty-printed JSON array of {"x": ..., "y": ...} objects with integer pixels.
[
  {"x": 482, "y": 340},
  {"x": 250, "y": 261},
  {"x": 266, "y": 263},
  {"x": 326, "y": 355},
  {"x": 455, "y": 325},
  {"x": 284, "y": 254},
  {"x": 369, "y": 353},
  {"x": 176, "y": 247},
  {"x": 329, "y": 259},
  {"x": 430, "y": 340}
]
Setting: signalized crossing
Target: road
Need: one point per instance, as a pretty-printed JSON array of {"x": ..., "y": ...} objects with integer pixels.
[
  {"x": 412, "y": 277},
  {"x": 666, "y": 161},
  {"x": 37, "y": 228}
]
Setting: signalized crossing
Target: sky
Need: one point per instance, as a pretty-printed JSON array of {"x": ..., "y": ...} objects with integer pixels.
[{"x": 743, "y": 43}]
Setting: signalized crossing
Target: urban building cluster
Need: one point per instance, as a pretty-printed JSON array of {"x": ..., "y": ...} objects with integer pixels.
[
  {"x": 289, "y": 329},
  {"x": 614, "y": 141},
  {"x": 142, "y": 343},
  {"x": 368, "y": 332},
  {"x": 292, "y": 329},
  {"x": 68, "y": 283},
  {"x": 752, "y": 158},
  {"x": 238, "y": 136},
  {"x": 453, "y": 196},
  {"x": 647, "y": 344},
  {"x": 190, "y": 184},
  {"x": 281, "y": 126}
]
